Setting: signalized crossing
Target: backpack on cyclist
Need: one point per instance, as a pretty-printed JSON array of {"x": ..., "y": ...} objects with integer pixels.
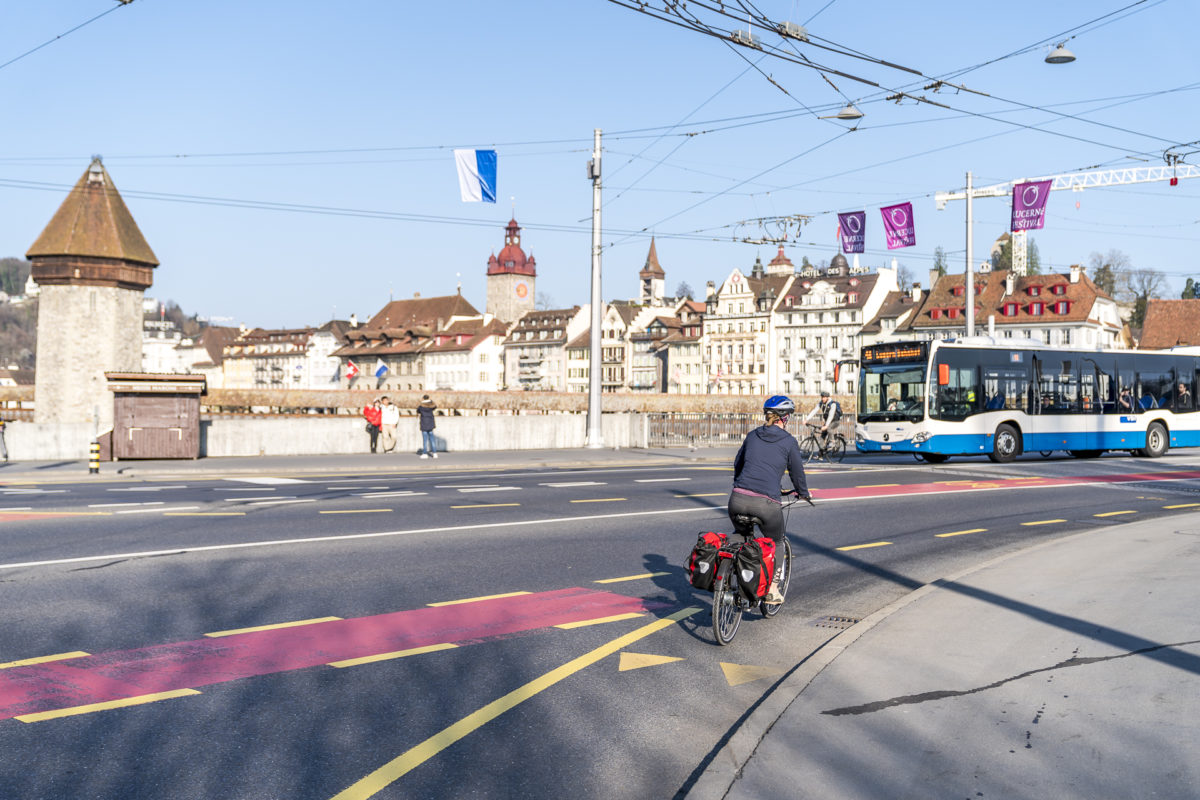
[
  {"x": 702, "y": 563},
  {"x": 837, "y": 413},
  {"x": 755, "y": 566}
]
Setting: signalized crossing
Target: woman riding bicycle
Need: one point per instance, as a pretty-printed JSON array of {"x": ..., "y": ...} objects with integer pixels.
[{"x": 758, "y": 468}]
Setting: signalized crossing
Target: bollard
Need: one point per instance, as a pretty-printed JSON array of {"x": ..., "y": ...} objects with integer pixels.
[{"x": 94, "y": 460}]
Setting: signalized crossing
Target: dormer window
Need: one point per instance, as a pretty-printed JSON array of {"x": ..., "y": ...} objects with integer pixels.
[
  {"x": 854, "y": 281},
  {"x": 958, "y": 291},
  {"x": 1036, "y": 309},
  {"x": 1009, "y": 309},
  {"x": 953, "y": 313},
  {"x": 853, "y": 297},
  {"x": 1059, "y": 288},
  {"x": 1062, "y": 307},
  {"x": 935, "y": 313},
  {"x": 979, "y": 288},
  {"x": 1034, "y": 291}
]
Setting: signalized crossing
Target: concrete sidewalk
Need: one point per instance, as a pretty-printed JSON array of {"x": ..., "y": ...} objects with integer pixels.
[
  {"x": 1071, "y": 669},
  {"x": 369, "y": 463}
]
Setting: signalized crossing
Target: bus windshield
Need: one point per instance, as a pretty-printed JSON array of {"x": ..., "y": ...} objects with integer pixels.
[{"x": 891, "y": 393}]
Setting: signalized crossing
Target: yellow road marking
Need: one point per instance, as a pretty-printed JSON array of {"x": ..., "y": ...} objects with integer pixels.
[
  {"x": 122, "y": 703},
  {"x": 638, "y": 660},
  {"x": 737, "y": 674},
  {"x": 960, "y": 533},
  {"x": 487, "y": 505},
  {"x": 1184, "y": 505},
  {"x": 1044, "y": 522},
  {"x": 296, "y": 624},
  {"x": 429, "y": 648},
  {"x": 204, "y": 514},
  {"x": 25, "y": 662},
  {"x": 875, "y": 485},
  {"x": 1113, "y": 513},
  {"x": 418, "y": 755},
  {"x": 632, "y": 577},
  {"x": 583, "y": 623},
  {"x": 600, "y": 500},
  {"x": 706, "y": 494},
  {"x": 476, "y": 599},
  {"x": 861, "y": 546},
  {"x": 359, "y": 511}
]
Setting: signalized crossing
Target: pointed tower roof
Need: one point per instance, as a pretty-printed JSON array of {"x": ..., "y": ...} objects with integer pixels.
[
  {"x": 94, "y": 222},
  {"x": 652, "y": 269}
]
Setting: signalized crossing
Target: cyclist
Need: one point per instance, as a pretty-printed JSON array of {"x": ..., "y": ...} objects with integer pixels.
[
  {"x": 828, "y": 413},
  {"x": 758, "y": 468}
]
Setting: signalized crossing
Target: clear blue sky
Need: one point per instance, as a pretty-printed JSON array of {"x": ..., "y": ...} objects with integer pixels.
[{"x": 356, "y": 106}]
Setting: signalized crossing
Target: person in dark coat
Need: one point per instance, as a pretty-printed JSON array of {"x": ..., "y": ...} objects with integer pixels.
[{"x": 425, "y": 412}]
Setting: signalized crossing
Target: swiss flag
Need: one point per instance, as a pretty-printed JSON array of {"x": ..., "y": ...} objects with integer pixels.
[{"x": 351, "y": 370}]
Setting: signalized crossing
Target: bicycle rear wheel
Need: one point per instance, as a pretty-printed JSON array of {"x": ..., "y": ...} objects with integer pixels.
[
  {"x": 810, "y": 448},
  {"x": 837, "y": 449},
  {"x": 783, "y": 558},
  {"x": 726, "y": 611}
]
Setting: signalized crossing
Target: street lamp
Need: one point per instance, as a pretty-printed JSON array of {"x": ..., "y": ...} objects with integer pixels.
[
  {"x": 1060, "y": 55},
  {"x": 849, "y": 113}
]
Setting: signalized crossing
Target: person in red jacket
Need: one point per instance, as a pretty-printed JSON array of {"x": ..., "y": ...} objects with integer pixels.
[{"x": 374, "y": 417}]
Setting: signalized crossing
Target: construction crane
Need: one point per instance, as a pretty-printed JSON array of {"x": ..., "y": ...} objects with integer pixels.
[{"x": 1174, "y": 171}]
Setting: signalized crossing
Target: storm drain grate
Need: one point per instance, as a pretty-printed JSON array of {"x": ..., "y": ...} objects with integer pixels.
[{"x": 837, "y": 621}]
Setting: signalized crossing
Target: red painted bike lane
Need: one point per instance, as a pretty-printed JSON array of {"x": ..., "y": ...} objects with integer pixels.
[
  {"x": 120, "y": 675},
  {"x": 976, "y": 485}
]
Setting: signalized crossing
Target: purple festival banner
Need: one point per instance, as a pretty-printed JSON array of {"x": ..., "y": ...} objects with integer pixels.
[
  {"x": 899, "y": 225},
  {"x": 1029, "y": 205},
  {"x": 853, "y": 227}
]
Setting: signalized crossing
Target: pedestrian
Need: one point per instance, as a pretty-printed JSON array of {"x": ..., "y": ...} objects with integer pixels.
[
  {"x": 389, "y": 418},
  {"x": 3, "y": 445},
  {"x": 425, "y": 412},
  {"x": 374, "y": 417}
]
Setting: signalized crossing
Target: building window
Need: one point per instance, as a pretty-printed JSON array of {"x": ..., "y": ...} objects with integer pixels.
[{"x": 1036, "y": 309}]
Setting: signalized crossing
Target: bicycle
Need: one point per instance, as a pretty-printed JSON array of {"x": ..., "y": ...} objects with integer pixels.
[
  {"x": 729, "y": 601},
  {"x": 813, "y": 446}
]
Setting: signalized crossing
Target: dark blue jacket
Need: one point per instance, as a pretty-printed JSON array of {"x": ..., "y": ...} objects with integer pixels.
[
  {"x": 426, "y": 414},
  {"x": 766, "y": 454}
]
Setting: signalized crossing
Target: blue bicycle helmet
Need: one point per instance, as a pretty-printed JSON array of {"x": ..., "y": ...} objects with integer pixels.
[{"x": 780, "y": 404}]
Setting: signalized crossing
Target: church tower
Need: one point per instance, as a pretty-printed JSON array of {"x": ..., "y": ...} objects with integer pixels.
[
  {"x": 93, "y": 266},
  {"x": 511, "y": 278},
  {"x": 653, "y": 279}
]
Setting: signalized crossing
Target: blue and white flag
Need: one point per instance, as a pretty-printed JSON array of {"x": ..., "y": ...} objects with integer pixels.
[
  {"x": 381, "y": 368},
  {"x": 476, "y": 175}
]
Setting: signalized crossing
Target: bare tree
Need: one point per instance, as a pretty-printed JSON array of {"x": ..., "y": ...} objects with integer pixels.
[
  {"x": 1108, "y": 270},
  {"x": 1142, "y": 285},
  {"x": 543, "y": 302},
  {"x": 904, "y": 277},
  {"x": 684, "y": 289}
]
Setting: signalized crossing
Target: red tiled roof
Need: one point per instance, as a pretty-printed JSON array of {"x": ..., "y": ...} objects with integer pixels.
[{"x": 1169, "y": 323}]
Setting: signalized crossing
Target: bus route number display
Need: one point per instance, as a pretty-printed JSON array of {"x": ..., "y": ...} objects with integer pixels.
[{"x": 893, "y": 353}]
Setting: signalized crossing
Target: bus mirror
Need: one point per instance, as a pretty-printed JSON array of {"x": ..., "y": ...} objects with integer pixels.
[{"x": 943, "y": 374}]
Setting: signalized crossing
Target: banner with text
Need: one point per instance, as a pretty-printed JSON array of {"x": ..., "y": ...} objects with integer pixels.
[
  {"x": 853, "y": 230},
  {"x": 1029, "y": 205},
  {"x": 899, "y": 225}
]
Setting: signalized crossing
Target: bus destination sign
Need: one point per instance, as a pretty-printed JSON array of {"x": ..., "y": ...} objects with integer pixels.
[{"x": 898, "y": 352}]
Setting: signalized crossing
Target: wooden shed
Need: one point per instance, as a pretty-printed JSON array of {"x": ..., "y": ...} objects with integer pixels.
[{"x": 155, "y": 415}]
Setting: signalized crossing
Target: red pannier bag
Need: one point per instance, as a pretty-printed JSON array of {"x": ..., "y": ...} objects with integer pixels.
[
  {"x": 756, "y": 566},
  {"x": 702, "y": 563}
]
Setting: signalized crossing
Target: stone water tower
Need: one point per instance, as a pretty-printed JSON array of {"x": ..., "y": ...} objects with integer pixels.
[{"x": 93, "y": 266}]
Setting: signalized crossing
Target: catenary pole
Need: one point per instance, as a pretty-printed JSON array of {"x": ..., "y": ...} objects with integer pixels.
[
  {"x": 970, "y": 288},
  {"x": 595, "y": 430}
]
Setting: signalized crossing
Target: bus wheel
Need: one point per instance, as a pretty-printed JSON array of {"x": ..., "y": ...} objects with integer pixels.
[
  {"x": 1156, "y": 441},
  {"x": 1005, "y": 445},
  {"x": 1085, "y": 453}
]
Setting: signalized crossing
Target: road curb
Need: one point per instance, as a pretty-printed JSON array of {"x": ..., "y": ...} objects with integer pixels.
[{"x": 727, "y": 764}]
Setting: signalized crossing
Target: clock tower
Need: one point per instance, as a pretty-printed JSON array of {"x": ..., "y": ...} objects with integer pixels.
[{"x": 511, "y": 278}]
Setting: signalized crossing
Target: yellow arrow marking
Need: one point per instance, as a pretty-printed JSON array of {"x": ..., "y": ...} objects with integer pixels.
[
  {"x": 638, "y": 660},
  {"x": 395, "y": 769},
  {"x": 737, "y": 674}
]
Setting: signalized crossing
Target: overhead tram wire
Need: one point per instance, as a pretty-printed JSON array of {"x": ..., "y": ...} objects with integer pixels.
[
  {"x": 47, "y": 43},
  {"x": 768, "y": 24}
]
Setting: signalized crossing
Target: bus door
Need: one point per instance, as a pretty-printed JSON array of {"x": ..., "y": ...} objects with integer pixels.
[{"x": 1097, "y": 393}]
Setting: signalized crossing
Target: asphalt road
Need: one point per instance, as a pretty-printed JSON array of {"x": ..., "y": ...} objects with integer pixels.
[{"x": 590, "y": 672}]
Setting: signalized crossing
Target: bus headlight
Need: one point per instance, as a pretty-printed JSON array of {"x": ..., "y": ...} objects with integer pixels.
[{"x": 920, "y": 436}]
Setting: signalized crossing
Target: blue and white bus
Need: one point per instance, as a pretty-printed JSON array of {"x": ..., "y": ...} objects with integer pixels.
[{"x": 1003, "y": 397}]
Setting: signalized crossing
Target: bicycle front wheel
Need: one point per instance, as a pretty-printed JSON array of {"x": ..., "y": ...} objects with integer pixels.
[
  {"x": 783, "y": 566},
  {"x": 810, "y": 448},
  {"x": 837, "y": 449},
  {"x": 726, "y": 612}
]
